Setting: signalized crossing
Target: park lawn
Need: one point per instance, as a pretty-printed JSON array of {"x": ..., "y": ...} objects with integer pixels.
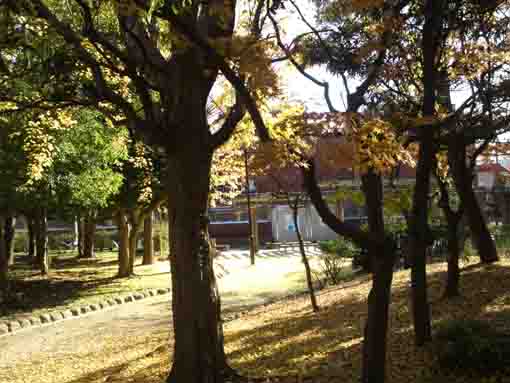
[
  {"x": 287, "y": 342},
  {"x": 75, "y": 282}
]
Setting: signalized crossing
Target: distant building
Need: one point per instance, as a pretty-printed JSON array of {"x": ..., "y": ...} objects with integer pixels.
[{"x": 490, "y": 175}]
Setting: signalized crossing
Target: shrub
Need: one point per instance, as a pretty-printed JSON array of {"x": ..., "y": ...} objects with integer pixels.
[
  {"x": 473, "y": 347},
  {"x": 340, "y": 247},
  {"x": 332, "y": 260}
]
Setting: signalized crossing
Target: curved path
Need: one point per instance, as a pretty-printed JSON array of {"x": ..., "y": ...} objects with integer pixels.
[{"x": 93, "y": 347}]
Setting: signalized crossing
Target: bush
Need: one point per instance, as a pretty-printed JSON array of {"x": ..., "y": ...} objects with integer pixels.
[
  {"x": 332, "y": 260},
  {"x": 340, "y": 247},
  {"x": 473, "y": 347}
]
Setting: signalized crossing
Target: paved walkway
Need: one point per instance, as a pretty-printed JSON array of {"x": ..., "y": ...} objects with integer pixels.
[{"x": 93, "y": 347}]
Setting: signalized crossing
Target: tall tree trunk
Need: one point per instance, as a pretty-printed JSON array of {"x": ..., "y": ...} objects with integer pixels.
[
  {"x": 419, "y": 230},
  {"x": 133, "y": 242},
  {"x": 76, "y": 232},
  {"x": 123, "y": 256},
  {"x": 89, "y": 235},
  {"x": 9, "y": 233},
  {"x": 148, "y": 243},
  {"x": 199, "y": 347},
  {"x": 134, "y": 229},
  {"x": 309, "y": 281},
  {"x": 31, "y": 236},
  {"x": 419, "y": 241},
  {"x": 382, "y": 258},
  {"x": 454, "y": 249},
  {"x": 463, "y": 179},
  {"x": 41, "y": 240},
  {"x": 455, "y": 246},
  {"x": 4, "y": 261},
  {"x": 81, "y": 236}
]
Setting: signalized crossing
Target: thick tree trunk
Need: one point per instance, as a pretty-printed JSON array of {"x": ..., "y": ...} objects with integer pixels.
[
  {"x": 31, "y": 237},
  {"x": 148, "y": 243},
  {"x": 463, "y": 179},
  {"x": 9, "y": 233},
  {"x": 382, "y": 258},
  {"x": 41, "y": 240},
  {"x": 309, "y": 281},
  {"x": 89, "y": 235},
  {"x": 199, "y": 355},
  {"x": 123, "y": 256}
]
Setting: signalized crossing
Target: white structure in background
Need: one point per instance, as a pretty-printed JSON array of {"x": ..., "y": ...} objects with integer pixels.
[
  {"x": 489, "y": 175},
  {"x": 311, "y": 225}
]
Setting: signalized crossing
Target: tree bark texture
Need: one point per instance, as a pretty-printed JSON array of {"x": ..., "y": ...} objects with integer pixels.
[
  {"x": 4, "y": 261},
  {"x": 133, "y": 242},
  {"x": 41, "y": 240},
  {"x": 382, "y": 259},
  {"x": 123, "y": 256},
  {"x": 148, "y": 242},
  {"x": 463, "y": 179},
  {"x": 419, "y": 230},
  {"x": 9, "y": 233},
  {"x": 31, "y": 237},
  {"x": 309, "y": 280},
  {"x": 89, "y": 234},
  {"x": 198, "y": 349},
  {"x": 81, "y": 236},
  {"x": 455, "y": 241},
  {"x": 454, "y": 249}
]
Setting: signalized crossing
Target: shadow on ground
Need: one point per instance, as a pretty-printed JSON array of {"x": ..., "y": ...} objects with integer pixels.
[{"x": 328, "y": 344}]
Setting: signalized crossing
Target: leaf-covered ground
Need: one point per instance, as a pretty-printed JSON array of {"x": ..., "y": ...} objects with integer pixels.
[{"x": 289, "y": 343}]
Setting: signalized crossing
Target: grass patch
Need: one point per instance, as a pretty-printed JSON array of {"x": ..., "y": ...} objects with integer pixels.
[{"x": 74, "y": 282}]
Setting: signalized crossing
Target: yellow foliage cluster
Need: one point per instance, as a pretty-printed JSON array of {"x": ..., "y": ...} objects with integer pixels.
[
  {"x": 442, "y": 168},
  {"x": 141, "y": 161},
  {"x": 473, "y": 59},
  {"x": 253, "y": 58},
  {"x": 377, "y": 146},
  {"x": 289, "y": 146},
  {"x": 39, "y": 140}
]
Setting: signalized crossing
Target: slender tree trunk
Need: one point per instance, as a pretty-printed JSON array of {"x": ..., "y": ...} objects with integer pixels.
[
  {"x": 382, "y": 258},
  {"x": 89, "y": 235},
  {"x": 133, "y": 241},
  {"x": 199, "y": 355},
  {"x": 9, "y": 233},
  {"x": 309, "y": 281},
  {"x": 463, "y": 179},
  {"x": 453, "y": 271},
  {"x": 41, "y": 240},
  {"x": 76, "y": 232},
  {"x": 4, "y": 261},
  {"x": 419, "y": 232},
  {"x": 31, "y": 236},
  {"x": 81, "y": 236},
  {"x": 148, "y": 243},
  {"x": 123, "y": 258},
  {"x": 418, "y": 243}
]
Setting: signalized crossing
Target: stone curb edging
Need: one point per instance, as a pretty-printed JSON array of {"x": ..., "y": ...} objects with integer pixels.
[{"x": 27, "y": 321}]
